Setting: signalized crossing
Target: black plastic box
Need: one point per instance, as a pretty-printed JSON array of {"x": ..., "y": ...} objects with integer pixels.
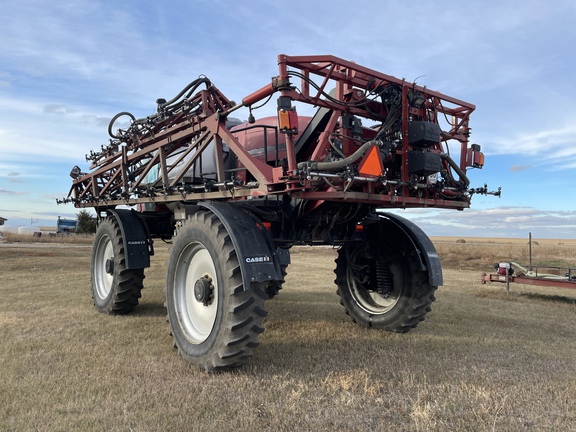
[
  {"x": 423, "y": 134},
  {"x": 424, "y": 163}
]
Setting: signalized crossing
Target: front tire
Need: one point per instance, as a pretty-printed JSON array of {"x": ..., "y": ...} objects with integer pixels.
[
  {"x": 214, "y": 320},
  {"x": 115, "y": 289},
  {"x": 392, "y": 294}
]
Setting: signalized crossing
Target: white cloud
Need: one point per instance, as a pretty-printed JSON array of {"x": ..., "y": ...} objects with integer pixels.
[
  {"x": 518, "y": 168},
  {"x": 542, "y": 142},
  {"x": 34, "y": 129},
  {"x": 10, "y": 192},
  {"x": 495, "y": 222}
]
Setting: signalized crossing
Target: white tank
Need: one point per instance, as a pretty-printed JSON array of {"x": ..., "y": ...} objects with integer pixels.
[
  {"x": 9, "y": 229},
  {"x": 28, "y": 230}
]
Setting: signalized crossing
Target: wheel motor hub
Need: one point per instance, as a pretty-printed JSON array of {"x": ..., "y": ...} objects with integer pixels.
[
  {"x": 203, "y": 290},
  {"x": 109, "y": 266}
]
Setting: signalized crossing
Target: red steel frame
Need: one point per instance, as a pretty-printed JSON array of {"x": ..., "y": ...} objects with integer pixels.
[{"x": 120, "y": 169}]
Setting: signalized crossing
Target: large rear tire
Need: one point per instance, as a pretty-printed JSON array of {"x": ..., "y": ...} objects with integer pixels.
[
  {"x": 215, "y": 321},
  {"x": 115, "y": 289},
  {"x": 392, "y": 294}
]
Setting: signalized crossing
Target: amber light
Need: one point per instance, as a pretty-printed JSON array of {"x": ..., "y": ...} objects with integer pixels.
[
  {"x": 288, "y": 120},
  {"x": 474, "y": 157}
]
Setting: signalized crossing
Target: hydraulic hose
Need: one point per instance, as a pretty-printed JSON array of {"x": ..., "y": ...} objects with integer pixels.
[
  {"x": 190, "y": 88},
  {"x": 194, "y": 84},
  {"x": 456, "y": 168},
  {"x": 116, "y": 117},
  {"x": 342, "y": 162}
]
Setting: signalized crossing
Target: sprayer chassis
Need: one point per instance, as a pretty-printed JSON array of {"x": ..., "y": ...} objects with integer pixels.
[{"x": 322, "y": 180}]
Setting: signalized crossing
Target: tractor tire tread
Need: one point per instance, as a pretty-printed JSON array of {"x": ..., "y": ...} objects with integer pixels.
[
  {"x": 126, "y": 291},
  {"x": 242, "y": 318}
]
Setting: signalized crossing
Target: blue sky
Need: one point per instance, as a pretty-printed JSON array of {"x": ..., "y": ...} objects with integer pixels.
[{"x": 67, "y": 67}]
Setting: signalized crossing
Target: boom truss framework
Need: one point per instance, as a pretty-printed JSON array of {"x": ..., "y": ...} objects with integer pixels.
[{"x": 175, "y": 141}]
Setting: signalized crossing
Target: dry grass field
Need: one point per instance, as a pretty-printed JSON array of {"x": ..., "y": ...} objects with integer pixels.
[{"x": 481, "y": 361}]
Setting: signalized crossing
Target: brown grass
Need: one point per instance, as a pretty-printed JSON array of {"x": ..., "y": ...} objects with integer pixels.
[
  {"x": 481, "y": 361},
  {"x": 47, "y": 238},
  {"x": 483, "y": 253}
]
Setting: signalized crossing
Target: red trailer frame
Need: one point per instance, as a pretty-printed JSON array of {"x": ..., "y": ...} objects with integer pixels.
[{"x": 568, "y": 282}]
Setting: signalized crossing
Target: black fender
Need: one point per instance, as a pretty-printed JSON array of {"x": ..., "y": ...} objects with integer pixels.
[
  {"x": 259, "y": 259},
  {"x": 137, "y": 241},
  {"x": 409, "y": 236}
]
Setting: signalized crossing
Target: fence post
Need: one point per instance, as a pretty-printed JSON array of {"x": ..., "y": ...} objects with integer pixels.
[{"x": 530, "y": 248}]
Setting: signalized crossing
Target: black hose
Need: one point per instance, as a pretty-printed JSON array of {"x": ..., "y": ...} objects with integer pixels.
[
  {"x": 194, "y": 84},
  {"x": 116, "y": 117},
  {"x": 456, "y": 168},
  {"x": 190, "y": 88},
  {"x": 342, "y": 162}
]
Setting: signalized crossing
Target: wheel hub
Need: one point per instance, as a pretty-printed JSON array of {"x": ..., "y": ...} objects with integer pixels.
[
  {"x": 109, "y": 266},
  {"x": 204, "y": 290}
]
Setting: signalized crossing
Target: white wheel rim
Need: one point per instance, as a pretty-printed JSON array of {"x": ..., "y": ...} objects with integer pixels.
[
  {"x": 371, "y": 301},
  {"x": 103, "y": 280},
  {"x": 196, "y": 319}
]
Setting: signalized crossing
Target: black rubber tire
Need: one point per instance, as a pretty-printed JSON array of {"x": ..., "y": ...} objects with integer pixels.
[
  {"x": 116, "y": 292},
  {"x": 219, "y": 332},
  {"x": 274, "y": 287},
  {"x": 408, "y": 303}
]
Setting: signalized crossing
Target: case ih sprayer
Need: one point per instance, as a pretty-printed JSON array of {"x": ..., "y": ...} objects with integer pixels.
[{"x": 235, "y": 197}]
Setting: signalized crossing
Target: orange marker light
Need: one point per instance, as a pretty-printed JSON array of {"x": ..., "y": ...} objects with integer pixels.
[
  {"x": 288, "y": 120},
  {"x": 474, "y": 158}
]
